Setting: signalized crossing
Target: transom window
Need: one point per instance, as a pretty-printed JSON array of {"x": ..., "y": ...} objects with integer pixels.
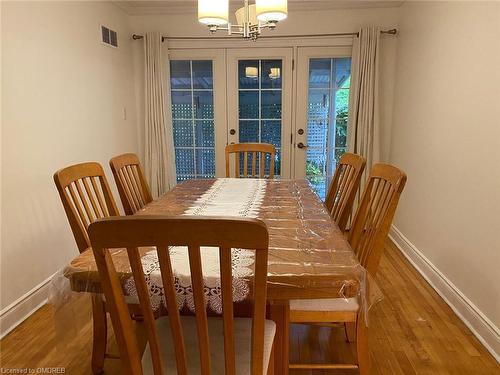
[{"x": 192, "y": 92}]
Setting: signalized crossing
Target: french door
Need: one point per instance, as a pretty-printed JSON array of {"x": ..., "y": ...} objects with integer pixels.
[
  {"x": 222, "y": 96},
  {"x": 259, "y": 100},
  {"x": 323, "y": 83}
]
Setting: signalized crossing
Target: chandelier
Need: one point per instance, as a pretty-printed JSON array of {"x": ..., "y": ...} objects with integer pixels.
[{"x": 251, "y": 19}]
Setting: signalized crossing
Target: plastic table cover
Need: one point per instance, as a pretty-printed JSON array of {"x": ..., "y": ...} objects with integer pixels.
[{"x": 308, "y": 255}]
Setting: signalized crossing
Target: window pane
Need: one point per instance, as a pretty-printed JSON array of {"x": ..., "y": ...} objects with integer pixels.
[
  {"x": 343, "y": 72},
  {"x": 319, "y": 103},
  {"x": 205, "y": 166},
  {"x": 328, "y": 107},
  {"x": 249, "y": 104},
  {"x": 271, "y": 104},
  {"x": 193, "y": 124},
  {"x": 249, "y": 131},
  {"x": 184, "y": 161},
  {"x": 248, "y": 74},
  {"x": 260, "y": 103},
  {"x": 342, "y": 102},
  {"x": 341, "y": 133},
  {"x": 317, "y": 132},
  {"x": 181, "y": 105},
  {"x": 204, "y": 133},
  {"x": 271, "y": 132},
  {"x": 183, "y": 133},
  {"x": 180, "y": 74},
  {"x": 320, "y": 73},
  {"x": 271, "y": 74},
  {"x": 203, "y": 104},
  {"x": 202, "y": 74}
]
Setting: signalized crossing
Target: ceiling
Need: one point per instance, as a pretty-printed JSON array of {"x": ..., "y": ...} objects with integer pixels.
[{"x": 142, "y": 7}]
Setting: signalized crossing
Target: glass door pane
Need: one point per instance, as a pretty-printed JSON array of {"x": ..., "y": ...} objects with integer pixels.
[
  {"x": 328, "y": 103},
  {"x": 259, "y": 97},
  {"x": 259, "y": 105},
  {"x": 324, "y": 76},
  {"x": 192, "y": 93}
]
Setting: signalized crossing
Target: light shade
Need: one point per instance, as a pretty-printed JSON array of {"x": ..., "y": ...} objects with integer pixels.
[
  {"x": 271, "y": 10},
  {"x": 213, "y": 12},
  {"x": 251, "y": 72},
  {"x": 240, "y": 15}
]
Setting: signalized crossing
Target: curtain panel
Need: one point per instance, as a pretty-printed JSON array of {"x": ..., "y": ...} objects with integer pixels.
[
  {"x": 159, "y": 153},
  {"x": 363, "y": 120}
]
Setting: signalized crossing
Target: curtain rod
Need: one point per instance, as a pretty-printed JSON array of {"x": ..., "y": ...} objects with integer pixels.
[{"x": 163, "y": 38}]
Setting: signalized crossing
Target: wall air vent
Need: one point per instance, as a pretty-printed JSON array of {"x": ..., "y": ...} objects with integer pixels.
[{"x": 109, "y": 37}]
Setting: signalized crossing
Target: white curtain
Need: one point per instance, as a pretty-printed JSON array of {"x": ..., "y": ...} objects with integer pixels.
[
  {"x": 159, "y": 154},
  {"x": 364, "y": 127}
]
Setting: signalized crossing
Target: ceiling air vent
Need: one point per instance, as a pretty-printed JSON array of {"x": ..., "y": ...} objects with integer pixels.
[{"x": 109, "y": 36}]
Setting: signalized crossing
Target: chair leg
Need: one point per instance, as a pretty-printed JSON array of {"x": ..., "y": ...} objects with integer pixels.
[
  {"x": 100, "y": 334},
  {"x": 350, "y": 331},
  {"x": 280, "y": 314},
  {"x": 270, "y": 368},
  {"x": 362, "y": 345}
]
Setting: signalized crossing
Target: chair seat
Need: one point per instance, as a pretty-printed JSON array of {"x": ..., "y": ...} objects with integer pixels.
[
  {"x": 329, "y": 304},
  {"x": 242, "y": 342}
]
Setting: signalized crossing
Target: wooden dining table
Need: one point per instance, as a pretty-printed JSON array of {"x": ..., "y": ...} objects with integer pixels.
[{"x": 309, "y": 257}]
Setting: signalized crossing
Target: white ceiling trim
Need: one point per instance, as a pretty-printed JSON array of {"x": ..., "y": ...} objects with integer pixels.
[{"x": 147, "y": 7}]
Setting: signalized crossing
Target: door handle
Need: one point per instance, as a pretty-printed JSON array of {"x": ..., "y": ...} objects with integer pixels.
[
  {"x": 232, "y": 132},
  {"x": 301, "y": 145}
]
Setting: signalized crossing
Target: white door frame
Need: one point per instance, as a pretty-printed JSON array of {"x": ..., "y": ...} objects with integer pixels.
[
  {"x": 286, "y": 55},
  {"x": 304, "y": 54},
  {"x": 218, "y": 57}
]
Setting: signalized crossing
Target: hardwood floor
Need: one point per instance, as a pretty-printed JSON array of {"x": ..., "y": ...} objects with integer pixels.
[{"x": 412, "y": 331}]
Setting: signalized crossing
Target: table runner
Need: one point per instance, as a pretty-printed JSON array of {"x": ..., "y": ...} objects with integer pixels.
[{"x": 226, "y": 197}]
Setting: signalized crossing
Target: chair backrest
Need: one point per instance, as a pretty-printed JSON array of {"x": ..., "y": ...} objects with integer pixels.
[
  {"x": 252, "y": 151},
  {"x": 132, "y": 185},
  {"x": 86, "y": 196},
  {"x": 131, "y": 232},
  {"x": 374, "y": 215},
  {"x": 343, "y": 188}
]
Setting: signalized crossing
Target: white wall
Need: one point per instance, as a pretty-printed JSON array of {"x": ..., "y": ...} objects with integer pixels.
[
  {"x": 311, "y": 22},
  {"x": 64, "y": 94},
  {"x": 446, "y": 136}
]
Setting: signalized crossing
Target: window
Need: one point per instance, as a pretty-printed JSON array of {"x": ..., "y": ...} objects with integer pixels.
[
  {"x": 328, "y": 103},
  {"x": 192, "y": 94},
  {"x": 259, "y": 98}
]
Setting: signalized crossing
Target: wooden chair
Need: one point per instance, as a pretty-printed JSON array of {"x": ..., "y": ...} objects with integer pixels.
[
  {"x": 343, "y": 188},
  {"x": 86, "y": 197},
  {"x": 367, "y": 237},
  {"x": 187, "y": 345},
  {"x": 261, "y": 149},
  {"x": 132, "y": 185}
]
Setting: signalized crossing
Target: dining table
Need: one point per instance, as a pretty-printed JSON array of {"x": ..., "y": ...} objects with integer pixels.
[{"x": 309, "y": 257}]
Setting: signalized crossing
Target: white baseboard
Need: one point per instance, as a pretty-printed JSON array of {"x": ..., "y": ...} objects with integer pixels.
[
  {"x": 483, "y": 328},
  {"x": 22, "y": 308}
]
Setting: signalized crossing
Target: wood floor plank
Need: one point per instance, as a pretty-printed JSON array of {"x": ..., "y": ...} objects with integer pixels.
[{"x": 412, "y": 331}]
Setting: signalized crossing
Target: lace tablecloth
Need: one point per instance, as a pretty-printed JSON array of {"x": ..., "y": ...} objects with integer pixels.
[{"x": 308, "y": 255}]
